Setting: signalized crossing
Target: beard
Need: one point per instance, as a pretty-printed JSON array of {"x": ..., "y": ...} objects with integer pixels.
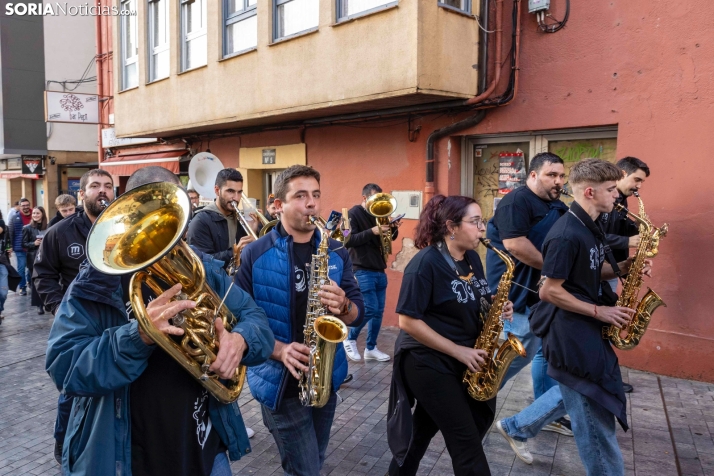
[
  {"x": 225, "y": 204},
  {"x": 94, "y": 207}
]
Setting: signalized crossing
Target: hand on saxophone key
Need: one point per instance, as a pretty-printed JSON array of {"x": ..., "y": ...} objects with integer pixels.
[
  {"x": 332, "y": 296},
  {"x": 295, "y": 356},
  {"x": 507, "y": 311},
  {"x": 474, "y": 359},
  {"x": 647, "y": 269},
  {"x": 634, "y": 241},
  {"x": 161, "y": 309},
  {"x": 231, "y": 348},
  {"x": 618, "y": 316}
]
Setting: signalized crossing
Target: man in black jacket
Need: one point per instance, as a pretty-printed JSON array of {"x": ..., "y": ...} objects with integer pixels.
[
  {"x": 621, "y": 232},
  {"x": 214, "y": 228},
  {"x": 58, "y": 259},
  {"x": 365, "y": 247}
]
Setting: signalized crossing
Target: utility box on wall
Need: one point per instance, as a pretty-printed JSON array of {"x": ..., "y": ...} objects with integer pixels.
[{"x": 408, "y": 202}]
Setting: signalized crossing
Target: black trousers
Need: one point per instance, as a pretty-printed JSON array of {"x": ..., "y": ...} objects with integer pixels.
[{"x": 443, "y": 405}]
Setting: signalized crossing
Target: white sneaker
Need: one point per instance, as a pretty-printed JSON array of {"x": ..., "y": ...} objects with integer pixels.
[
  {"x": 250, "y": 431},
  {"x": 351, "y": 349},
  {"x": 376, "y": 354},
  {"x": 518, "y": 447}
]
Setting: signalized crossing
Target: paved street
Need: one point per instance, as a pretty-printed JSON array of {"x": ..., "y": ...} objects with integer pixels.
[{"x": 665, "y": 414}]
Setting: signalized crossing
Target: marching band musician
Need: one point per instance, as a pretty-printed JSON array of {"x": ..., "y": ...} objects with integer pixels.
[
  {"x": 443, "y": 293},
  {"x": 136, "y": 411},
  {"x": 365, "y": 246},
  {"x": 576, "y": 305},
  {"x": 215, "y": 228},
  {"x": 274, "y": 271}
]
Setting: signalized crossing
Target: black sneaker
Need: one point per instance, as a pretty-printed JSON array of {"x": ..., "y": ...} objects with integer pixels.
[
  {"x": 58, "y": 452},
  {"x": 627, "y": 388},
  {"x": 23, "y": 291},
  {"x": 561, "y": 425},
  {"x": 40, "y": 310}
]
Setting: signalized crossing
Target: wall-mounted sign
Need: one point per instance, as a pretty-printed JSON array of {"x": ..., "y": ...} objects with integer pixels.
[
  {"x": 269, "y": 156},
  {"x": 511, "y": 171},
  {"x": 109, "y": 139},
  {"x": 71, "y": 107},
  {"x": 32, "y": 165},
  {"x": 14, "y": 164}
]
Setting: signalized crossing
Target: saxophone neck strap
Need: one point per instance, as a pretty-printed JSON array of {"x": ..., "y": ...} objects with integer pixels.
[
  {"x": 595, "y": 229},
  {"x": 444, "y": 251}
]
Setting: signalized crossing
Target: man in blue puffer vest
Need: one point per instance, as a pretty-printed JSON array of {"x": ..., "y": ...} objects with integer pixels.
[
  {"x": 136, "y": 411},
  {"x": 274, "y": 270}
]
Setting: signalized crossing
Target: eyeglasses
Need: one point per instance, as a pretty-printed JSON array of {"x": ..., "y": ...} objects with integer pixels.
[{"x": 477, "y": 221}]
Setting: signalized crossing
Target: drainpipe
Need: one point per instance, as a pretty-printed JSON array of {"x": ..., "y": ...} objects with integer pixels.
[
  {"x": 474, "y": 120},
  {"x": 100, "y": 85}
]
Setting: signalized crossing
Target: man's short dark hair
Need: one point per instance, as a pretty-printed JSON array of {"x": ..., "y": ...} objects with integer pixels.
[
  {"x": 228, "y": 174},
  {"x": 539, "y": 160},
  {"x": 22, "y": 200},
  {"x": 190, "y": 190},
  {"x": 85, "y": 178},
  {"x": 594, "y": 171},
  {"x": 282, "y": 181},
  {"x": 371, "y": 189},
  {"x": 632, "y": 164},
  {"x": 151, "y": 174}
]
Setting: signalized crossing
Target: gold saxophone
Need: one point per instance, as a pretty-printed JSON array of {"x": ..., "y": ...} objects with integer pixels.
[
  {"x": 322, "y": 331},
  {"x": 644, "y": 308},
  {"x": 484, "y": 384}
]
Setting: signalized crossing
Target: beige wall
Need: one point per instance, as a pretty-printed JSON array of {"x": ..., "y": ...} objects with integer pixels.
[{"x": 414, "y": 49}]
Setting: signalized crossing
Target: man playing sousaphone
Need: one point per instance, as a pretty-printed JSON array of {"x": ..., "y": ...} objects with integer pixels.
[{"x": 136, "y": 410}]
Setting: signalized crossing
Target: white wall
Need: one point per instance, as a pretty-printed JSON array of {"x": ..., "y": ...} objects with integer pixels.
[{"x": 69, "y": 47}]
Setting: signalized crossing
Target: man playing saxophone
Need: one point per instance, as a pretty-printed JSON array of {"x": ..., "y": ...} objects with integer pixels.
[
  {"x": 443, "y": 295},
  {"x": 274, "y": 270},
  {"x": 136, "y": 411},
  {"x": 576, "y": 306}
]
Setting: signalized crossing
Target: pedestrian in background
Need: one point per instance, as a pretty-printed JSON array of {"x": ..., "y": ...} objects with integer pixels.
[
  {"x": 20, "y": 220},
  {"x": 32, "y": 235},
  {"x": 4, "y": 262},
  {"x": 66, "y": 205}
]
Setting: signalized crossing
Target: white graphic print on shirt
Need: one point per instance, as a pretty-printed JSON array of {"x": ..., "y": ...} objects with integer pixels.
[
  {"x": 597, "y": 256},
  {"x": 301, "y": 279},
  {"x": 464, "y": 292},
  {"x": 203, "y": 420}
]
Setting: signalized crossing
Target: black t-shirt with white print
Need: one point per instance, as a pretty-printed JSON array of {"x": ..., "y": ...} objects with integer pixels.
[
  {"x": 571, "y": 252},
  {"x": 171, "y": 431},
  {"x": 302, "y": 257},
  {"x": 431, "y": 291}
]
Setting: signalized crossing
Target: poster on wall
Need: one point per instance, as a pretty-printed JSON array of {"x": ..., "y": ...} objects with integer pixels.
[
  {"x": 511, "y": 171},
  {"x": 73, "y": 186},
  {"x": 71, "y": 107}
]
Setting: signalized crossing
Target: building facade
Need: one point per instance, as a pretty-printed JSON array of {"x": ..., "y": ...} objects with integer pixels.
[{"x": 376, "y": 91}]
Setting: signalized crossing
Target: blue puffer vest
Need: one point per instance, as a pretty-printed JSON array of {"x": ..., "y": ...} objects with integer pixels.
[{"x": 272, "y": 284}]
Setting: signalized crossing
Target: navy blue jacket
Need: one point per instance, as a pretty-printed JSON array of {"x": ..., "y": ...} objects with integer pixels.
[{"x": 266, "y": 273}]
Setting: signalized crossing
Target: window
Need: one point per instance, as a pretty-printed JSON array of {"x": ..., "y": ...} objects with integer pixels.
[
  {"x": 158, "y": 39},
  {"x": 194, "y": 49},
  {"x": 129, "y": 46},
  {"x": 463, "y": 5},
  {"x": 241, "y": 26},
  {"x": 295, "y": 16},
  {"x": 349, "y": 8}
]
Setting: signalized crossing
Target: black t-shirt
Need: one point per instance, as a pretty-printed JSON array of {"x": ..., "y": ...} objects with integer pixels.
[
  {"x": 302, "y": 257},
  {"x": 518, "y": 212},
  {"x": 571, "y": 252},
  {"x": 171, "y": 431},
  {"x": 431, "y": 291}
]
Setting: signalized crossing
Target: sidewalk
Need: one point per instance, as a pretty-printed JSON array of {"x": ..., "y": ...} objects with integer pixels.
[{"x": 665, "y": 414}]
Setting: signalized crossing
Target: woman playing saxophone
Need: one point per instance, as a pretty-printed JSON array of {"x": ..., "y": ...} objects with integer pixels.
[{"x": 443, "y": 293}]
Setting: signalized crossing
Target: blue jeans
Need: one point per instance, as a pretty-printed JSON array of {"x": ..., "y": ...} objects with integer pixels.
[
  {"x": 64, "y": 408},
  {"x": 301, "y": 434},
  {"x": 3, "y": 286},
  {"x": 539, "y": 372},
  {"x": 594, "y": 431},
  {"x": 373, "y": 285},
  {"x": 22, "y": 267},
  {"x": 221, "y": 465},
  {"x": 545, "y": 409}
]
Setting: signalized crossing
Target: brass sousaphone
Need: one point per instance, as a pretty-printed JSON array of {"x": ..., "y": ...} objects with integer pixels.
[{"x": 141, "y": 233}]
